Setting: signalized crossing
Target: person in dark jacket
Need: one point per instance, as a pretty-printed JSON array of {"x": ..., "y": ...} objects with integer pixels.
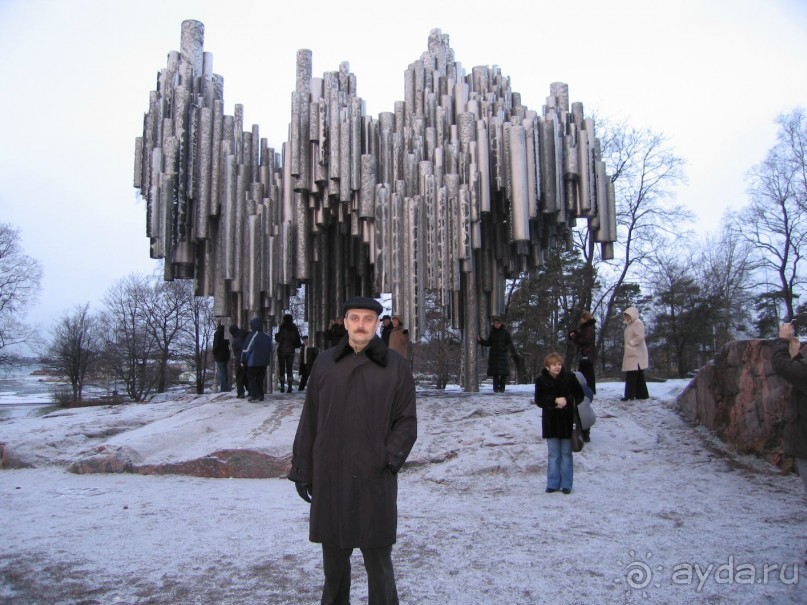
[
  {"x": 336, "y": 331},
  {"x": 237, "y": 344},
  {"x": 307, "y": 356},
  {"x": 583, "y": 338},
  {"x": 257, "y": 354},
  {"x": 386, "y": 328},
  {"x": 501, "y": 345},
  {"x": 790, "y": 364},
  {"x": 356, "y": 430},
  {"x": 556, "y": 393},
  {"x": 221, "y": 355},
  {"x": 288, "y": 339}
]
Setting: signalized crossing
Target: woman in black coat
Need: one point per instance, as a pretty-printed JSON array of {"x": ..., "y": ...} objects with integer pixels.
[
  {"x": 501, "y": 344},
  {"x": 556, "y": 393}
]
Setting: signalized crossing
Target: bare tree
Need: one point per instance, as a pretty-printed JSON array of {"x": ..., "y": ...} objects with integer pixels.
[
  {"x": 195, "y": 344},
  {"x": 684, "y": 315},
  {"x": 130, "y": 349},
  {"x": 726, "y": 269},
  {"x": 76, "y": 346},
  {"x": 169, "y": 314},
  {"x": 645, "y": 172},
  {"x": 20, "y": 277},
  {"x": 440, "y": 351},
  {"x": 775, "y": 221}
]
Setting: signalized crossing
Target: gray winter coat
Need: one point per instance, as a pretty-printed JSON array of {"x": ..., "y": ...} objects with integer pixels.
[{"x": 356, "y": 429}]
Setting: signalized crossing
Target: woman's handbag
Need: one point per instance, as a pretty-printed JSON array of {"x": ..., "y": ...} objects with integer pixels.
[{"x": 577, "y": 432}]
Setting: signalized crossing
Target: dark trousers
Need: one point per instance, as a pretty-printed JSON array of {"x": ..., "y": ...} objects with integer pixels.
[
  {"x": 586, "y": 368},
  {"x": 304, "y": 378},
  {"x": 499, "y": 381},
  {"x": 635, "y": 385},
  {"x": 240, "y": 377},
  {"x": 256, "y": 375},
  {"x": 285, "y": 363},
  {"x": 380, "y": 575}
]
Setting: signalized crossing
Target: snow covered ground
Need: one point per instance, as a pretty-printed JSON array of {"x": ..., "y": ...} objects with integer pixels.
[{"x": 661, "y": 512}]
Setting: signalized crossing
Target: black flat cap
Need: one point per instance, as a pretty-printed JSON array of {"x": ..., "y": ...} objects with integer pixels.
[{"x": 362, "y": 302}]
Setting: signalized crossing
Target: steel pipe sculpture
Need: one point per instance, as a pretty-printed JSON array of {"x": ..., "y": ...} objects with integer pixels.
[{"x": 459, "y": 188}]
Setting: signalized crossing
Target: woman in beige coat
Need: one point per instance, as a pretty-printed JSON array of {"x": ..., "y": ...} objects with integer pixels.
[
  {"x": 635, "y": 358},
  {"x": 399, "y": 337}
]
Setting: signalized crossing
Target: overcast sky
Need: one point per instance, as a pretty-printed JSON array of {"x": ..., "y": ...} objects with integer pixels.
[{"x": 75, "y": 77}]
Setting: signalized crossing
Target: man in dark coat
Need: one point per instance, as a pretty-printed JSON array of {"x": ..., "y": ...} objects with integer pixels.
[
  {"x": 288, "y": 339},
  {"x": 307, "y": 356},
  {"x": 237, "y": 344},
  {"x": 257, "y": 354},
  {"x": 356, "y": 429},
  {"x": 501, "y": 344},
  {"x": 790, "y": 364}
]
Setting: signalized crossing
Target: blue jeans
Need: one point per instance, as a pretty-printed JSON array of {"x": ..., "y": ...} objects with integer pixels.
[
  {"x": 223, "y": 375},
  {"x": 559, "y": 465}
]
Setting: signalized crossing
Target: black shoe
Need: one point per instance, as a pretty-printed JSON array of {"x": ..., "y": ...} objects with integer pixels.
[
  {"x": 566, "y": 491},
  {"x": 586, "y": 438},
  {"x": 289, "y": 389},
  {"x": 239, "y": 396},
  {"x": 551, "y": 490}
]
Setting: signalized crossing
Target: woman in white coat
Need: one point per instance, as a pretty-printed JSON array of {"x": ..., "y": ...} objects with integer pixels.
[{"x": 635, "y": 358}]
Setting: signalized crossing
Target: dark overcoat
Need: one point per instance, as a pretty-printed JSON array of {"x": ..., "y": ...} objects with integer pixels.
[
  {"x": 501, "y": 344},
  {"x": 794, "y": 370},
  {"x": 356, "y": 429},
  {"x": 557, "y": 422}
]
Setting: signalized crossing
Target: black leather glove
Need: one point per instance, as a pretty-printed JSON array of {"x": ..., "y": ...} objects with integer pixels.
[{"x": 304, "y": 490}]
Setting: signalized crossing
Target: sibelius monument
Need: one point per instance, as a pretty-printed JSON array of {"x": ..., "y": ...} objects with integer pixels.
[{"x": 457, "y": 189}]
